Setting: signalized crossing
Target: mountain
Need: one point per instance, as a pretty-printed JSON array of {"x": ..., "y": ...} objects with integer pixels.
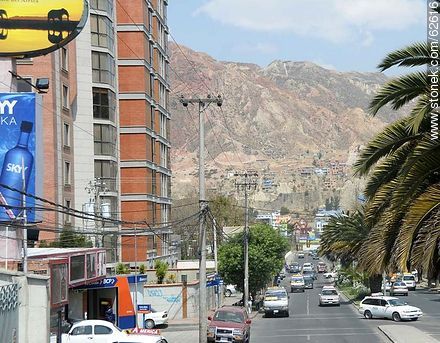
[{"x": 275, "y": 120}]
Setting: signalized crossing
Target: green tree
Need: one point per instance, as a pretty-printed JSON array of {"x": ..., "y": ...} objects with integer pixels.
[
  {"x": 161, "y": 270},
  {"x": 402, "y": 163},
  {"x": 70, "y": 239},
  {"x": 284, "y": 211},
  {"x": 266, "y": 257},
  {"x": 122, "y": 269}
]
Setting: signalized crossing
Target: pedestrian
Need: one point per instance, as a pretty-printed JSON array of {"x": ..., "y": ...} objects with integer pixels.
[{"x": 109, "y": 315}]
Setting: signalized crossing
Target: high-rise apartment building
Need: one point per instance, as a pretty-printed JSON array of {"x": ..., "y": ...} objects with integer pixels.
[{"x": 106, "y": 129}]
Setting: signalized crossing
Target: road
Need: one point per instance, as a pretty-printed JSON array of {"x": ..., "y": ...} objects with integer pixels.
[{"x": 310, "y": 323}]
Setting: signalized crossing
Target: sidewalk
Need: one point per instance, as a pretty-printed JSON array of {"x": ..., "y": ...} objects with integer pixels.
[{"x": 406, "y": 334}]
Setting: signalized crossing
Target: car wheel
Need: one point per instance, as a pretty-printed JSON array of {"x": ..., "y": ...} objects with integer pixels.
[
  {"x": 149, "y": 324},
  {"x": 228, "y": 293},
  {"x": 396, "y": 317},
  {"x": 368, "y": 314}
]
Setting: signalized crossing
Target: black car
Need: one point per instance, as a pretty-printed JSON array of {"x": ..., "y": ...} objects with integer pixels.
[
  {"x": 308, "y": 281},
  {"x": 294, "y": 268}
]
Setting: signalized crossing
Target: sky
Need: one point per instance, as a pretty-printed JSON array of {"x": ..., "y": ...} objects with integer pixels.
[{"x": 346, "y": 35}]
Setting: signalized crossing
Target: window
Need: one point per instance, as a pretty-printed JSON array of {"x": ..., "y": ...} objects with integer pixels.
[
  {"x": 77, "y": 268},
  {"x": 163, "y": 125},
  {"x": 104, "y": 104},
  {"x": 102, "y": 31},
  {"x": 383, "y": 303},
  {"x": 65, "y": 96},
  {"x": 164, "y": 210},
  {"x": 64, "y": 59},
  {"x": 103, "y": 5},
  {"x": 162, "y": 95},
  {"x": 91, "y": 267},
  {"x": 82, "y": 330},
  {"x": 164, "y": 185},
  {"x": 153, "y": 182},
  {"x": 106, "y": 170},
  {"x": 103, "y": 68},
  {"x": 105, "y": 137},
  {"x": 153, "y": 148},
  {"x": 102, "y": 330},
  {"x": 66, "y": 173},
  {"x": 66, "y": 135},
  {"x": 163, "y": 156},
  {"x": 67, "y": 217},
  {"x": 23, "y": 86}
]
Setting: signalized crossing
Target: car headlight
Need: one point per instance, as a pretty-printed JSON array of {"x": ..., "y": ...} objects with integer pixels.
[{"x": 237, "y": 332}]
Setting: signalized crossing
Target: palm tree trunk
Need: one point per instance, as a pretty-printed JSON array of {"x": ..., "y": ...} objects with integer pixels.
[{"x": 375, "y": 282}]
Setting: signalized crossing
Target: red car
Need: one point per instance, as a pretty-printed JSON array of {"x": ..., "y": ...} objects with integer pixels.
[
  {"x": 229, "y": 324},
  {"x": 322, "y": 267}
]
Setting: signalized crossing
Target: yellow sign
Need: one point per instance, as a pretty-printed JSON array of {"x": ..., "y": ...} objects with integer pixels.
[{"x": 30, "y": 28}]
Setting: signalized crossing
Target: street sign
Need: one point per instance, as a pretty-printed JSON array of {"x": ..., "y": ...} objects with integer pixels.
[
  {"x": 144, "y": 308},
  {"x": 145, "y": 331}
]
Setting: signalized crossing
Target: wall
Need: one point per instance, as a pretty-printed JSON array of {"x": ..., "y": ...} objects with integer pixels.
[
  {"x": 34, "y": 308},
  {"x": 171, "y": 298}
]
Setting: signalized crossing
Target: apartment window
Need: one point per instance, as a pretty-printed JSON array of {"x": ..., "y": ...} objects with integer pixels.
[
  {"x": 104, "y": 104},
  {"x": 103, "y": 68},
  {"x": 66, "y": 135},
  {"x": 67, "y": 173},
  {"x": 103, "y": 5},
  {"x": 153, "y": 148},
  {"x": 23, "y": 86},
  {"x": 162, "y": 66},
  {"x": 164, "y": 186},
  {"x": 102, "y": 31},
  {"x": 162, "y": 95},
  {"x": 65, "y": 96},
  {"x": 105, "y": 139},
  {"x": 107, "y": 170},
  {"x": 163, "y": 156},
  {"x": 67, "y": 216},
  {"x": 163, "y": 125},
  {"x": 64, "y": 59},
  {"x": 153, "y": 182}
]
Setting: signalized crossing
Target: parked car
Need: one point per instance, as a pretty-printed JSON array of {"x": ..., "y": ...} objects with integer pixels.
[
  {"x": 410, "y": 281},
  {"x": 229, "y": 324},
  {"x": 300, "y": 255},
  {"x": 308, "y": 281},
  {"x": 388, "y": 307},
  {"x": 399, "y": 287},
  {"x": 230, "y": 290},
  {"x": 329, "y": 296},
  {"x": 297, "y": 283},
  {"x": 276, "y": 301},
  {"x": 87, "y": 331},
  {"x": 155, "y": 318}
]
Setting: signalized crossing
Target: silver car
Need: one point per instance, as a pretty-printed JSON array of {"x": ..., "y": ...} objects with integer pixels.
[
  {"x": 399, "y": 287},
  {"x": 329, "y": 296}
]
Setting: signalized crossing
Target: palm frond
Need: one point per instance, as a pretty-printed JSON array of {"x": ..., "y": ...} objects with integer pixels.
[
  {"x": 399, "y": 91},
  {"x": 419, "y": 114},
  {"x": 418, "y": 212},
  {"x": 388, "y": 140},
  {"x": 417, "y": 54}
]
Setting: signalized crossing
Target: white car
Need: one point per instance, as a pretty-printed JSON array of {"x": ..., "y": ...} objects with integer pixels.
[
  {"x": 155, "y": 318},
  {"x": 398, "y": 287},
  {"x": 101, "y": 331},
  {"x": 410, "y": 281},
  {"x": 230, "y": 290},
  {"x": 307, "y": 267},
  {"x": 329, "y": 296},
  {"x": 331, "y": 275},
  {"x": 388, "y": 307}
]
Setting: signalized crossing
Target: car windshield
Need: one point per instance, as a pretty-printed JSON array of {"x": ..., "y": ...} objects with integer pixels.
[
  {"x": 297, "y": 279},
  {"x": 409, "y": 278},
  {"x": 396, "y": 302},
  {"x": 399, "y": 284},
  {"x": 226, "y": 316},
  {"x": 329, "y": 292}
]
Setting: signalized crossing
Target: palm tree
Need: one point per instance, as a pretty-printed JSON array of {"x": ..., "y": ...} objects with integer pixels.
[{"x": 403, "y": 164}]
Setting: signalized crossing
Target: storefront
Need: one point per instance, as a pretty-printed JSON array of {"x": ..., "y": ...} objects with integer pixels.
[{"x": 118, "y": 292}]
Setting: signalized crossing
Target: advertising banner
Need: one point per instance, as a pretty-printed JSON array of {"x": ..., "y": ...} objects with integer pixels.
[
  {"x": 30, "y": 28},
  {"x": 17, "y": 155}
]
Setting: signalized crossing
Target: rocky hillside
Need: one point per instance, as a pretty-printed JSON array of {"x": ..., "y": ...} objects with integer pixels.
[{"x": 274, "y": 119}]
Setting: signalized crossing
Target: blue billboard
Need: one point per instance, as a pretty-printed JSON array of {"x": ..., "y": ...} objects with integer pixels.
[{"x": 17, "y": 155}]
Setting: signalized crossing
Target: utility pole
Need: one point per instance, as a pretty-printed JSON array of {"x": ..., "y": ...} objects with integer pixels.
[
  {"x": 95, "y": 188},
  {"x": 214, "y": 227},
  {"x": 203, "y": 312},
  {"x": 246, "y": 185}
]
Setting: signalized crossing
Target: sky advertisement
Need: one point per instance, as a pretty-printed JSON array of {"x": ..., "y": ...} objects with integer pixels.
[{"x": 17, "y": 154}]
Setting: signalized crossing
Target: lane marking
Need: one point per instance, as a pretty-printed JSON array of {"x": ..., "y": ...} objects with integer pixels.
[
  {"x": 308, "y": 337},
  {"x": 319, "y": 329},
  {"x": 324, "y": 335},
  {"x": 308, "y": 305}
]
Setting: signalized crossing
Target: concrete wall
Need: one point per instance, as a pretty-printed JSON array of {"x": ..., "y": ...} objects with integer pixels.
[
  {"x": 180, "y": 302},
  {"x": 34, "y": 306}
]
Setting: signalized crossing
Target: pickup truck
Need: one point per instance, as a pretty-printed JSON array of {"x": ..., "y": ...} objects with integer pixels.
[{"x": 101, "y": 331}]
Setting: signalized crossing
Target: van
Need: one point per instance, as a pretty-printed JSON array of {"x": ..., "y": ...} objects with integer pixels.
[
  {"x": 410, "y": 281},
  {"x": 276, "y": 302}
]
